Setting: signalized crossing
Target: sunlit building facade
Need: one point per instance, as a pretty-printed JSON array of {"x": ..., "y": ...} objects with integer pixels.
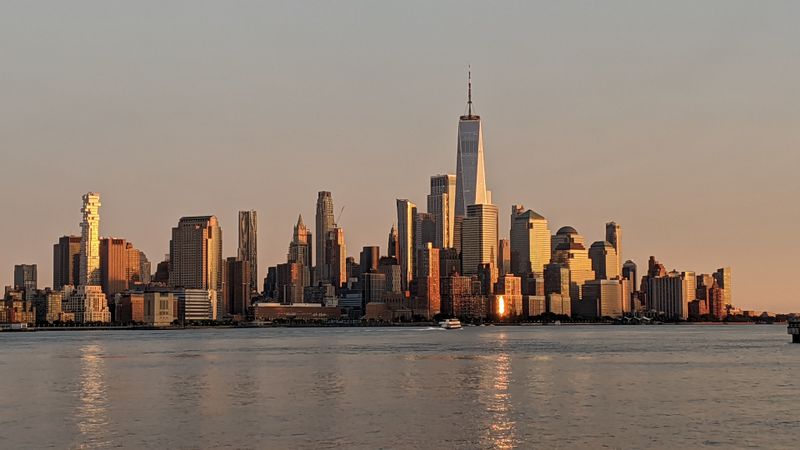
[
  {"x": 406, "y": 220},
  {"x": 479, "y": 238},
  {"x": 530, "y": 241}
]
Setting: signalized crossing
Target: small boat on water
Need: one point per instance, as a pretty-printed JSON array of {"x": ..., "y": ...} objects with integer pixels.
[
  {"x": 450, "y": 324},
  {"x": 794, "y": 330}
]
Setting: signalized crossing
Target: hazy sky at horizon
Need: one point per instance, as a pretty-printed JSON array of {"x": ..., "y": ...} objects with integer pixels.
[{"x": 679, "y": 120}]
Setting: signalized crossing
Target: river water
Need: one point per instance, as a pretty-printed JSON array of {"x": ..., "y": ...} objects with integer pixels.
[{"x": 481, "y": 387}]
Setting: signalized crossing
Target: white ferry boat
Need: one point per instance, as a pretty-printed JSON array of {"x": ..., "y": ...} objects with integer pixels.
[
  {"x": 794, "y": 330},
  {"x": 450, "y": 324}
]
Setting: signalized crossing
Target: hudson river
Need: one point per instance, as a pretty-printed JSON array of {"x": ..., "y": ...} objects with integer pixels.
[{"x": 481, "y": 387}]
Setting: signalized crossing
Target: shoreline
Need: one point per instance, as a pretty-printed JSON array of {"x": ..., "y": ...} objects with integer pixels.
[{"x": 384, "y": 325}]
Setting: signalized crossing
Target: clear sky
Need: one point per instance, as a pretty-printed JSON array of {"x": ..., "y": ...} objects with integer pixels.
[{"x": 679, "y": 120}]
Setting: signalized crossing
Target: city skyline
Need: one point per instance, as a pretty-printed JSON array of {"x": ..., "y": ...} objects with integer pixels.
[{"x": 572, "y": 158}]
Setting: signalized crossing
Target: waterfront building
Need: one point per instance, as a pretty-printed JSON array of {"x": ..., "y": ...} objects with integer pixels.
[
  {"x": 48, "y": 306},
  {"x": 236, "y": 290},
  {"x": 716, "y": 302},
  {"x": 196, "y": 304},
  {"x": 159, "y": 308},
  {"x": 601, "y": 298},
  {"x": 559, "y": 304},
  {"x": 89, "y": 305},
  {"x": 16, "y": 309},
  {"x": 66, "y": 262},
  {"x": 264, "y": 311},
  {"x": 248, "y": 246},
  {"x": 406, "y": 215},
  {"x": 723, "y": 277},
  {"x": 441, "y": 205},
  {"x": 534, "y": 305},
  {"x": 324, "y": 224},
  {"x": 510, "y": 288},
  {"x": 604, "y": 260},
  {"x": 195, "y": 254},
  {"x": 571, "y": 252},
  {"x": 668, "y": 295},
  {"x": 479, "y": 238},
  {"x": 461, "y": 298},
  {"x": 129, "y": 308},
  {"x": 530, "y": 241}
]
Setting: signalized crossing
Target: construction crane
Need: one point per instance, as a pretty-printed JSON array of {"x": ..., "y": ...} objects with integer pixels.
[{"x": 339, "y": 217}]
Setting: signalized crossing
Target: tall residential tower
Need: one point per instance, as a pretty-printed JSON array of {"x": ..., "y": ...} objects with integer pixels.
[
  {"x": 324, "y": 225},
  {"x": 90, "y": 240},
  {"x": 248, "y": 246}
]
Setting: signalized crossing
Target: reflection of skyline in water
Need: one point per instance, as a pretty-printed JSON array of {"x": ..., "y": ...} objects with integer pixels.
[
  {"x": 92, "y": 409},
  {"x": 481, "y": 387},
  {"x": 501, "y": 431}
]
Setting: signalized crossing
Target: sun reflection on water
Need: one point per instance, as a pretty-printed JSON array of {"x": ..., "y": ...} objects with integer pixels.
[
  {"x": 92, "y": 409},
  {"x": 502, "y": 429}
]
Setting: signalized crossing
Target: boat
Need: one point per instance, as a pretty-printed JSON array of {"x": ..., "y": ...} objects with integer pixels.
[
  {"x": 794, "y": 330},
  {"x": 450, "y": 324}
]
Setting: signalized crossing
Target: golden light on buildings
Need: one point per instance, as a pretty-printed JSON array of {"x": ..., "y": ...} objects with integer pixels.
[{"x": 501, "y": 306}]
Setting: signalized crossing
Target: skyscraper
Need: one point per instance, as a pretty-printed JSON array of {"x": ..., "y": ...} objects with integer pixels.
[
  {"x": 393, "y": 246},
  {"x": 406, "y": 219},
  {"x": 325, "y": 223},
  {"x": 426, "y": 230},
  {"x": 236, "y": 293},
  {"x": 479, "y": 239},
  {"x": 368, "y": 259},
  {"x": 668, "y": 295},
  {"x": 470, "y": 172},
  {"x": 195, "y": 254},
  {"x": 300, "y": 249},
  {"x": 604, "y": 260},
  {"x": 25, "y": 277},
  {"x": 614, "y": 237},
  {"x": 504, "y": 257},
  {"x": 113, "y": 266},
  {"x": 66, "y": 261},
  {"x": 629, "y": 272},
  {"x": 723, "y": 277},
  {"x": 441, "y": 205},
  {"x": 88, "y": 302},
  {"x": 530, "y": 241},
  {"x": 571, "y": 252},
  {"x": 248, "y": 245},
  {"x": 336, "y": 257},
  {"x": 90, "y": 240},
  {"x": 428, "y": 280}
]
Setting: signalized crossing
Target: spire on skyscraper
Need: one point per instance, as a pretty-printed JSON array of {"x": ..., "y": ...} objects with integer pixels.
[{"x": 469, "y": 90}]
